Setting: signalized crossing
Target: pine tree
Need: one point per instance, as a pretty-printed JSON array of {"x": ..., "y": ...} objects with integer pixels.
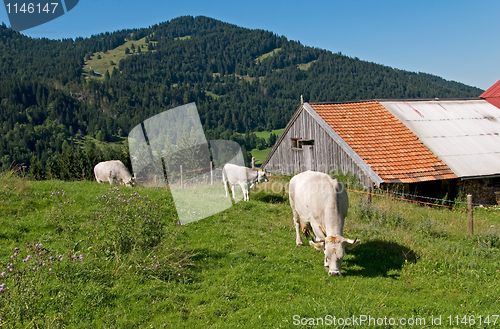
[{"x": 36, "y": 171}]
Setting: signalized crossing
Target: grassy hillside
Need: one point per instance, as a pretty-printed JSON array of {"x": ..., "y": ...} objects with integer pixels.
[
  {"x": 113, "y": 267},
  {"x": 105, "y": 61}
]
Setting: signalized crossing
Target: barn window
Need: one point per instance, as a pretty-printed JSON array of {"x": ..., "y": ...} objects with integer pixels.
[
  {"x": 306, "y": 142},
  {"x": 297, "y": 143}
]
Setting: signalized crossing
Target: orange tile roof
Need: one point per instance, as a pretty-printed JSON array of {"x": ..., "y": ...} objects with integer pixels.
[{"x": 383, "y": 142}]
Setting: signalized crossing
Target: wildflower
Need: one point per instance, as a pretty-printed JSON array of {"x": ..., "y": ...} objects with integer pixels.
[
  {"x": 2, "y": 286},
  {"x": 2, "y": 275},
  {"x": 81, "y": 258}
]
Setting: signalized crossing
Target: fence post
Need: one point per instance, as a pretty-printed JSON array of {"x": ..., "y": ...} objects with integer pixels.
[
  {"x": 369, "y": 195},
  {"x": 211, "y": 174},
  {"x": 298, "y": 167},
  {"x": 182, "y": 186},
  {"x": 470, "y": 219},
  {"x": 253, "y": 162}
]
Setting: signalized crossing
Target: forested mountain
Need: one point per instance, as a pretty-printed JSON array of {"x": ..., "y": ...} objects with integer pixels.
[{"x": 241, "y": 80}]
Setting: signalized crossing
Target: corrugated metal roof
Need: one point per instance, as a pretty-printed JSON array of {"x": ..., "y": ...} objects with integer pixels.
[
  {"x": 465, "y": 134},
  {"x": 381, "y": 140},
  {"x": 493, "y": 91}
]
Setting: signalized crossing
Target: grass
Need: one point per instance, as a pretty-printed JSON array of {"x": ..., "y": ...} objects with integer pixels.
[
  {"x": 104, "y": 63},
  {"x": 305, "y": 66},
  {"x": 266, "y": 55},
  {"x": 260, "y": 155},
  {"x": 187, "y": 37},
  {"x": 237, "y": 268}
]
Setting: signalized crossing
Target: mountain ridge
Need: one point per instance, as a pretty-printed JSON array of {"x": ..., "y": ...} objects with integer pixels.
[{"x": 242, "y": 80}]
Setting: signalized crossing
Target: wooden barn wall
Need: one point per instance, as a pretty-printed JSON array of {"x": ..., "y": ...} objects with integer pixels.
[{"x": 327, "y": 155}]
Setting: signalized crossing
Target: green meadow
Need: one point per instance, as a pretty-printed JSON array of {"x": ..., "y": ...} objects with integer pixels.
[
  {"x": 88, "y": 255},
  {"x": 260, "y": 155},
  {"x": 105, "y": 61}
]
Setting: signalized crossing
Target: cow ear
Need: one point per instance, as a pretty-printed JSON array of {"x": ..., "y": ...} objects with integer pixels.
[
  {"x": 318, "y": 245},
  {"x": 350, "y": 244}
]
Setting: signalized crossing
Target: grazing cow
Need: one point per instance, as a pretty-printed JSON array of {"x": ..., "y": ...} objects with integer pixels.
[
  {"x": 319, "y": 204},
  {"x": 243, "y": 176},
  {"x": 113, "y": 171}
]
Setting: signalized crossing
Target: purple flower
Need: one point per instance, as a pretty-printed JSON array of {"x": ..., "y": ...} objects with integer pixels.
[{"x": 2, "y": 275}]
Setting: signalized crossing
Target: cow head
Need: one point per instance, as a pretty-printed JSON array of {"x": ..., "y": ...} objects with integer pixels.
[
  {"x": 261, "y": 176},
  {"x": 334, "y": 249},
  {"x": 130, "y": 182}
]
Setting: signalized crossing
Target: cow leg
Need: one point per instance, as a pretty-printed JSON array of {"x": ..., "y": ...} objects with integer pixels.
[
  {"x": 296, "y": 221},
  {"x": 232, "y": 190},
  {"x": 225, "y": 188},
  {"x": 244, "y": 188},
  {"x": 318, "y": 233}
]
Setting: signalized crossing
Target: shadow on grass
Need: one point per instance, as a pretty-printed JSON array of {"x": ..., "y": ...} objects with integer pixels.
[
  {"x": 269, "y": 198},
  {"x": 206, "y": 256},
  {"x": 378, "y": 258}
]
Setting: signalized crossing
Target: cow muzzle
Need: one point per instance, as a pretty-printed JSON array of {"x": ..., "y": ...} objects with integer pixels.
[{"x": 334, "y": 273}]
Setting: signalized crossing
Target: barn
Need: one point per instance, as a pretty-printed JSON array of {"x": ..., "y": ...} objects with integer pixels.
[{"x": 426, "y": 145}]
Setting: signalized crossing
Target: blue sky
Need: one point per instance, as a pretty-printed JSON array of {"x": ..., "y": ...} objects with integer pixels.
[{"x": 451, "y": 39}]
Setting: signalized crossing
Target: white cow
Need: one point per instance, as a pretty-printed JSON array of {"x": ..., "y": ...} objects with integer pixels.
[
  {"x": 243, "y": 176},
  {"x": 319, "y": 203},
  {"x": 113, "y": 171}
]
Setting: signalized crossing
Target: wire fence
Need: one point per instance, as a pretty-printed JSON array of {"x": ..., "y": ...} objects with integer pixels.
[{"x": 212, "y": 176}]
